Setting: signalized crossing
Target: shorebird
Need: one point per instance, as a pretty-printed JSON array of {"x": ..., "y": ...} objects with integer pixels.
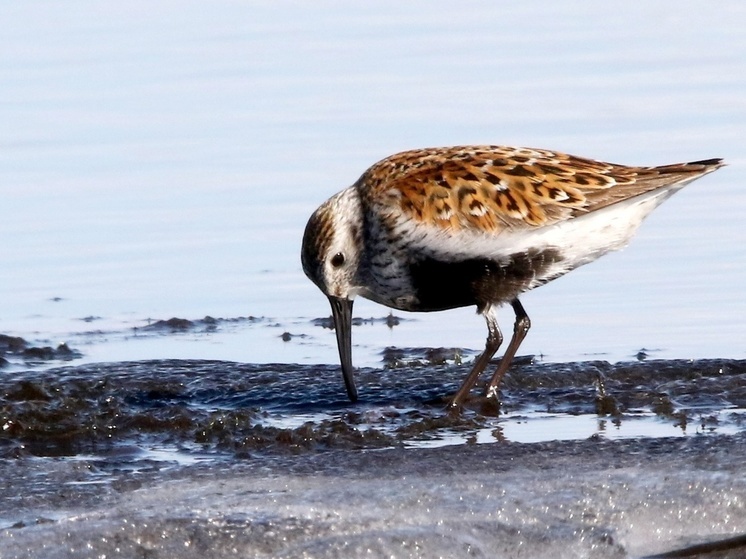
[{"x": 439, "y": 228}]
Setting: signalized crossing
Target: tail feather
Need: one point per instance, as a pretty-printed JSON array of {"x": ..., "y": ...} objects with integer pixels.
[
  {"x": 693, "y": 168},
  {"x": 715, "y": 162}
]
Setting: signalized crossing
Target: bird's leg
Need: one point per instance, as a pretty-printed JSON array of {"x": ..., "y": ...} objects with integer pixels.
[
  {"x": 494, "y": 339},
  {"x": 520, "y": 329}
]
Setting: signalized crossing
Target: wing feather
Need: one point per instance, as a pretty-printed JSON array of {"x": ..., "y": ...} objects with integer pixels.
[{"x": 491, "y": 189}]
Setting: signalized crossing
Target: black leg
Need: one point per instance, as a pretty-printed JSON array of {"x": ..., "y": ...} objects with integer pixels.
[
  {"x": 494, "y": 339},
  {"x": 520, "y": 329}
]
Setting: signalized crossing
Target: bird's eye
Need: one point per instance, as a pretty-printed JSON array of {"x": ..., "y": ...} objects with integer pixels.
[{"x": 338, "y": 259}]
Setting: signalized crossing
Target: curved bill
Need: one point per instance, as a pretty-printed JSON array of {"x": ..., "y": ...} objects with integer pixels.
[{"x": 342, "y": 314}]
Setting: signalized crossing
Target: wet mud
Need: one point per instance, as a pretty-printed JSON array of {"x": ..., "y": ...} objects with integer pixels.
[
  {"x": 238, "y": 409},
  {"x": 207, "y": 324},
  {"x": 15, "y": 347}
]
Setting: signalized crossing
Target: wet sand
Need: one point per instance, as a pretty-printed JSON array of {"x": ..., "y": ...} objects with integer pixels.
[{"x": 592, "y": 498}]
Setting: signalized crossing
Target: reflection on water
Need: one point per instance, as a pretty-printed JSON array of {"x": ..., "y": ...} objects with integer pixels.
[{"x": 539, "y": 427}]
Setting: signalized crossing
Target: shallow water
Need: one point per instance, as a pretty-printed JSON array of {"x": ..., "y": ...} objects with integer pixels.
[
  {"x": 166, "y": 168},
  {"x": 163, "y": 167}
]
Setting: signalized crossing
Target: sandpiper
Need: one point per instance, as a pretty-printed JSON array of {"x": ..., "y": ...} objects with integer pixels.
[{"x": 440, "y": 228}]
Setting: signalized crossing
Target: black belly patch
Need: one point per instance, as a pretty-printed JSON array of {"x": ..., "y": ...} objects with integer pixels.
[{"x": 443, "y": 285}]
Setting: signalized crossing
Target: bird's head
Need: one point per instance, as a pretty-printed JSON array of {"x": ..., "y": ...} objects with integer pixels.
[{"x": 332, "y": 245}]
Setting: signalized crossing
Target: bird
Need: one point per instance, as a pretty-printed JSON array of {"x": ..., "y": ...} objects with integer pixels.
[{"x": 439, "y": 228}]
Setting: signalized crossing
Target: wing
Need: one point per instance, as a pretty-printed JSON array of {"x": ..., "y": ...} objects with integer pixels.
[{"x": 492, "y": 188}]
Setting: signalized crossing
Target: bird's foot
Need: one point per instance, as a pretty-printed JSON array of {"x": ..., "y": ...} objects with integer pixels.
[{"x": 483, "y": 405}]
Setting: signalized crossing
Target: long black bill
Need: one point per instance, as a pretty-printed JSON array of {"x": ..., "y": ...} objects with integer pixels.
[{"x": 342, "y": 314}]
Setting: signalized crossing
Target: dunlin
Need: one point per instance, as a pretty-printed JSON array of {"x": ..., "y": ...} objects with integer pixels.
[{"x": 440, "y": 228}]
